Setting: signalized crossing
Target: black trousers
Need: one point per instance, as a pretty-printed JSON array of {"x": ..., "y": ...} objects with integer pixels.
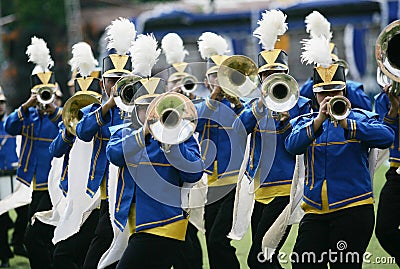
[
  {"x": 150, "y": 251},
  {"x": 39, "y": 235},
  {"x": 264, "y": 215},
  {"x": 20, "y": 224},
  {"x": 102, "y": 239},
  {"x": 71, "y": 252},
  {"x": 388, "y": 217},
  {"x": 5, "y": 251},
  {"x": 218, "y": 223},
  {"x": 191, "y": 255},
  {"x": 339, "y": 238}
]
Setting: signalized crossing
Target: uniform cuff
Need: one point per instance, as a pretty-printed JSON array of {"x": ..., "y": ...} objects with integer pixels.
[
  {"x": 390, "y": 120},
  {"x": 101, "y": 121},
  {"x": 211, "y": 104},
  {"x": 67, "y": 138},
  {"x": 20, "y": 112},
  {"x": 351, "y": 129},
  {"x": 140, "y": 138}
]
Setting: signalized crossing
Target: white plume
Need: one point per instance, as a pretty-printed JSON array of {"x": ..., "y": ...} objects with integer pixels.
[
  {"x": 39, "y": 54},
  {"x": 172, "y": 46},
  {"x": 83, "y": 59},
  {"x": 121, "y": 34},
  {"x": 144, "y": 54},
  {"x": 212, "y": 44},
  {"x": 316, "y": 51},
  {"x": 317, "y": 25},
  {"x": 270, "y": 27}
]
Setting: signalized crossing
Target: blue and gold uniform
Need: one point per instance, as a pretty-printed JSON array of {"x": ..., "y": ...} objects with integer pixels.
[
  {"x": 94, "y": 126},
  {"x": 272, "y": 173},
  {"x": 326, "y": 187},
  {"x": 338, "y": 195},
  {"x": 37, "y": 134},
  {"x": 215, "y": 126},
  {"x": 8, "y": 154},
  {"x": 145, "y": 165},
  {"x": 387, "y": 223},
  {"x": 61, "y": 146}
]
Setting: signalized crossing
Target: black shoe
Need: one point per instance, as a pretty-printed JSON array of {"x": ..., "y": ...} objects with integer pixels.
[
  {"x": 5, "y": 263},
  {"x": 20, "y": 250}
]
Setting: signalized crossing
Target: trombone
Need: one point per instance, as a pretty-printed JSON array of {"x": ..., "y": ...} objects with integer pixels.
[
  {"x": 124, "y": 92},
  {"x": 386, "y": 54},
  {"x": 171, "y": 118},
  {"x": 71, "y": 113}
]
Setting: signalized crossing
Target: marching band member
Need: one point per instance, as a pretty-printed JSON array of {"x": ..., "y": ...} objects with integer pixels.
[
  {"x": 387, "y": 105},
  {"x": 71, "y": 252},
  {"x": 172, "y": 47},
  {"x": 37, "y": 123},
  {"x": 94, "y": 125},
  {"x": 8, "y": 160},
  {"x": 223, "y": 157},
  {"x": 157, "y": 225},
  {"x": 271, "y": 166},
  {"x": 317, "y": 24},
  {"x": 338, "y": 198}
]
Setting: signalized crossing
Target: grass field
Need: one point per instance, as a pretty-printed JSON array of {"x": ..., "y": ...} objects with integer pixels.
[{"x": 243, "y": 245}]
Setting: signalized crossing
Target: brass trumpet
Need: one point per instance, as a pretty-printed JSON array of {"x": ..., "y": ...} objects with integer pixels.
[
  {"x": 45, "y": 95},
  {"x": 386, "y": 54},
  {"x": 279, "y": 92},
  {"x": 339, "y": 108},
  {"x": 171, "y": 118},
  {"x": 188, "y": 84},
  {"x": 71, "y": 113},
  {"x": 237, "y": 75},
  {"x": 124, "y": 92}
]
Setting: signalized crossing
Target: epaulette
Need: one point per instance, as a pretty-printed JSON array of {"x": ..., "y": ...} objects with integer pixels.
[
  {"x": 115, "y": 128},
  {"x": 367, "y": 113},
  {"x": 303, "y": 101}
]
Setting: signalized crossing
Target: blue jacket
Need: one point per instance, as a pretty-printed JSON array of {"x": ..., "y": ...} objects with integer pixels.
[
  {"x": 37, "y": 134},
  {"x": 61, "y": 146},
  {"x": 151, "y": 178},
  {"x": 382, "y": 106},
  {"x": 215, "y": 127},
  {"x": 355, "y": 93},
  {"x": 8, "y": 153},
  {"x": 338, "y": 156},
  {"x": 94, "y": 126},
  {"x": 267, "y": 144}
]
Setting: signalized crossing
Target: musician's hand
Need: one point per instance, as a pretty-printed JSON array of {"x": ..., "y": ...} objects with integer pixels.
[
  {"x": 50, "y": 109},
  {"x": 394, "y": 101},
  {"x": 31, "y": 102},
  {"x": 323, "y": 113},
  {"x": 146, "y": 129},
  {"x": 107, "y": 106},
  {"x": 234, "y": 100},
  {"x": 217, "y": 94}
]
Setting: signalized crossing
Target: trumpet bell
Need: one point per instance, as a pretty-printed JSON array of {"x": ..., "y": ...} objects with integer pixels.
[
  {"x": 339, "y": 107},
  {"x": 237, "y": 75},
  {"x": 71, "y": 113},
  {"x": 45, "y": 95},
  {"x": 279, "y": 92},
  {"x": 125, "y": 91},
  {"x": 189, "y": 84},
  {"x": 172, "y": 118}
]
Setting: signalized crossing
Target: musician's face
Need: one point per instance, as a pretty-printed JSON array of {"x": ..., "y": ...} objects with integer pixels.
[
  {"x": 141, "y": 112},
  {"x": 321, "y": 95},
  {"x": 108, "y": 83},
  {"x": 211, "y": 81},
  {"x": 2, "y": 108},
  {"x": 267, "y": 73}
]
